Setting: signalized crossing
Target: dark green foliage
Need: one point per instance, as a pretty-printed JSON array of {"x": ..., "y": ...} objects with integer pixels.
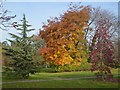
[{"x": 21, "y": 51}]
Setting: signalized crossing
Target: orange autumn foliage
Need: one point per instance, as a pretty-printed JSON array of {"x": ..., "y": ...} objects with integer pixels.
[{"x": 64, "y": 36}]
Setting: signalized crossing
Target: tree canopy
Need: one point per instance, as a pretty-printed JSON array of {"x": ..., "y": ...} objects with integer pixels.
[{"x": 65, "y": 37}]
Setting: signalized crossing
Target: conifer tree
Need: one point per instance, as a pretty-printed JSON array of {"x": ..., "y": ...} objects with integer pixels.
[{"x": 21, "y": 50}]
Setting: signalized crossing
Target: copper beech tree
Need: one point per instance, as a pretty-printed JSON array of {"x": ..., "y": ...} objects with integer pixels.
[
  {"x": 65, "y": 37},
  {"x": 102, "y": 50}
]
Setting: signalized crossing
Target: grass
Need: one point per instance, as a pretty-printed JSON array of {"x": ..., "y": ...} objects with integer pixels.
[
  {"x": 45, "y": 75},
  {"x": 62, "y": 84},
  {"x": 62, "y": 75},
  {"x": 51, "y": 81},
  {"x": 49, "y": 76}
]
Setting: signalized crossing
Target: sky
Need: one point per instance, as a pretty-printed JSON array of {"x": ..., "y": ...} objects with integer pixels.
[
  {"x": 38, "y": 12},
  {"x": 62, "y": 0}
]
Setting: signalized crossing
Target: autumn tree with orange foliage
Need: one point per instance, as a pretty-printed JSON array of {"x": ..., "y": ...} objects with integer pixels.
[{"x": 65, "y": 37}]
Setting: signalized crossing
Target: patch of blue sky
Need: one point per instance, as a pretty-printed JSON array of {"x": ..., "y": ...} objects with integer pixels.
[{"x": 38, "y": 12}]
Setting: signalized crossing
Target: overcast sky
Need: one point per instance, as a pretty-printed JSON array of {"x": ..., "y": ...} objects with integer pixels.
[{"x": 38, "y": 12}]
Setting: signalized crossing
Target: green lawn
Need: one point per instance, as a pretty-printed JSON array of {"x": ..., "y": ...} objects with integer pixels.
[
  {"x": 62, "y": 84},
  {"x": 62, "y": 75},
  {"x": 58, "y": 80}
]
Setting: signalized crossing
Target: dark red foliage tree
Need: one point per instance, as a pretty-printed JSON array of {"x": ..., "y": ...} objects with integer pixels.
[{"x": 102, "y": 50}]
